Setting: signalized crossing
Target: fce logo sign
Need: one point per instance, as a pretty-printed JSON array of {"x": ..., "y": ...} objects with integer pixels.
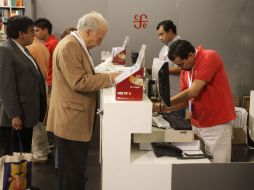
[{"x": 140, "y": 21}]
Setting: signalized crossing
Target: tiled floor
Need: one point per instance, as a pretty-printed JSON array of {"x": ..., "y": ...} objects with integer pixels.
[
  {"x": 241, "y": 153},
  {"x": 45, "y": 175}
]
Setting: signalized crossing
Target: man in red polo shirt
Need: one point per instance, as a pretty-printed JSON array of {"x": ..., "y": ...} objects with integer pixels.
[
  {"x": 43, "y": 29},
  {"x": 205, "y": 88}
]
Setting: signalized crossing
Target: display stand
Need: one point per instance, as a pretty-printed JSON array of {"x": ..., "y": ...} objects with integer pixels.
[{"x": 124, "y": 166}]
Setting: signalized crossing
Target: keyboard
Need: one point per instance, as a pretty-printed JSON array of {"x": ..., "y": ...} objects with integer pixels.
[
  {"x": 160, "y": 122},
  {"x": 176, "y": 121}
]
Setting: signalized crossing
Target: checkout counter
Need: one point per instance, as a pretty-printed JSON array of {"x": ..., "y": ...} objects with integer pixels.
[{"x": 124, "y": 166}]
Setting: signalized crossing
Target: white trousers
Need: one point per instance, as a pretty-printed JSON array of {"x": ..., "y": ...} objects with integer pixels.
[
  {"x": 40, "y": 144},
  {"x": 217, "y": 141}
]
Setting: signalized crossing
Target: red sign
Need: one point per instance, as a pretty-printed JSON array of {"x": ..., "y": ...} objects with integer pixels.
[
  {"x": 119, "y": 59},
  {"x": 132, "y": 87},
  {"x": 140, "y": 21}
]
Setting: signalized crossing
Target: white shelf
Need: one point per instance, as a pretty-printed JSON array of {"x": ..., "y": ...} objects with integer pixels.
[
  {"x": 148, "y": 157},
  {"x": 13, "y": 7}
]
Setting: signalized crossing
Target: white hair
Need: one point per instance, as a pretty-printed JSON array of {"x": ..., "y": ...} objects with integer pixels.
[{"x": 92, "y": 20}]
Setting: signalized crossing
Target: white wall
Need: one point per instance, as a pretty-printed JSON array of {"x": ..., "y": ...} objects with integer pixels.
[{"x": 223, "y": 25}]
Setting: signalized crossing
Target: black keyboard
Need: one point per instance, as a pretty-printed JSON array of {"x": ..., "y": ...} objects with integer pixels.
[{"x": 176, "y": 121}]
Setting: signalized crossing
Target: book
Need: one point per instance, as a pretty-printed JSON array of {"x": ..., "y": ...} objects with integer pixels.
[{"x": 19, "y": 3}]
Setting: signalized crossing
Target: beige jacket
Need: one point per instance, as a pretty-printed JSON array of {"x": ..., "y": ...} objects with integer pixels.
[{"x": 74, "y": 92}]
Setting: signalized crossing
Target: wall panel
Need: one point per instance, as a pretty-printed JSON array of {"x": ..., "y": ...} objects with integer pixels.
[{"x": 225, "y": 26}]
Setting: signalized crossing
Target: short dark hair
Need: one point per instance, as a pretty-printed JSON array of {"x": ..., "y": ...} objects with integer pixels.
[
  {"x": 16, "y": 24},
  {"x": 0, "y": 14},
  {"x": 43, "y": 23},
  {"x": 167, "y": 25},
  {"x": 181, "y": 49}
]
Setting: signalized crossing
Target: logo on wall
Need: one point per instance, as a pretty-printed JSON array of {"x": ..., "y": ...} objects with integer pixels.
[{"x": 140, "y": 21}]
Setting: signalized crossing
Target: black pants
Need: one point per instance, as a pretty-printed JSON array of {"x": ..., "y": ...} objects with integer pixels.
[
  {"x": 72, "y": 156},
  {"x": 11, "y": 140}
]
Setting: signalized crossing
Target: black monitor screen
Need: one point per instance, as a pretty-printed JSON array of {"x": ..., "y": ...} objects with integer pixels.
[{"x": 163, "y": 84}]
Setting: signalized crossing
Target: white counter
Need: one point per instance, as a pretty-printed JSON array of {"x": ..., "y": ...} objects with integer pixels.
[{"x": 124, "y": 167}]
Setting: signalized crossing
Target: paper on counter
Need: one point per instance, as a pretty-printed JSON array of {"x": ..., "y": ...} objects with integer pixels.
[
  {"x": 126, "y": 73},
  {"x": 105, "y": 66}
]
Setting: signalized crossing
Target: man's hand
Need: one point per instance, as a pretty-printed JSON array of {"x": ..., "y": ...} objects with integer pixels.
[
  {"x": 158, "y": 107},
  {"x": 113, "y": 76},
  {"x": 17, "y": 123}
]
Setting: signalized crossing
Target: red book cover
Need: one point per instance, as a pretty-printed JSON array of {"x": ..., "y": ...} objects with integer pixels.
[
  {"x": 132, "y": 87},
  {"x": 119, "y": 58},
  {"x": 19, "y": 3}
]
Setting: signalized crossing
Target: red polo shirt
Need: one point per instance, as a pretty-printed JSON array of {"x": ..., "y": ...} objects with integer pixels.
[
  {"x": 214, "y": 105},
  {"x": 50, "y": 44}
]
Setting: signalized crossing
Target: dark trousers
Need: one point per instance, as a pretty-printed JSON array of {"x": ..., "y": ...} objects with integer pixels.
[
  {"x": 11, "y": 139},
  {"x": 72, "y": 156}
]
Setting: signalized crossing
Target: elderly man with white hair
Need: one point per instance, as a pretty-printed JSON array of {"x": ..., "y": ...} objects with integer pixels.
[{"x": 73, "y": 100}]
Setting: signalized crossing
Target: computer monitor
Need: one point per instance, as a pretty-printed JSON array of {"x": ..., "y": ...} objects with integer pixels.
[
  {"x": 160, "y": 74},
  {"x": 141, "y": 56}
]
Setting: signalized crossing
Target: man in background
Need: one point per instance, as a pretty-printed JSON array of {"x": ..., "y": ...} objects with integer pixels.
[
  {"x": 40, "y": 144},
  {"x": 167, "y": 34},
  {"x": 67, "y": 31},
  {"x": 73, "y": 100},
  {"x": 43, "y": 31},
  {"x": 41, "y": 54},
  {"x": 205, "y": 88}
]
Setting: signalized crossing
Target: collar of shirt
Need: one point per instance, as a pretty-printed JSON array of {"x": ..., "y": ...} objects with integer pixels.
[
  {"x": 24, "y": 52},
  {"x": 83, "y": 44},
  {"x": 165, "y": 54},
  {"x": 51, "y": 37},
  {"x": 173, "y": 40}
]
